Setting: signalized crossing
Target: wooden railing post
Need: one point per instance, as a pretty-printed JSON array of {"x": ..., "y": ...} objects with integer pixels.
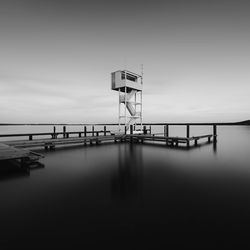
[
  {"x": 214, "y": 133},
  {"x": 54, "y": 132},
  {"x": 64, "y": 131},
  {"x": 85, "y": 134},
  {"x": 93, "y": 129},
  {"x": 144, "y": 130},
  {"x": 131, "y": 129},
  {"x": 85, "y": 131},
  {"x": 165, "y": 130},
  {"x": 131, "y": 133},
  {"x": 188, "y": 134},
  {"x": 105, "y": 131}
]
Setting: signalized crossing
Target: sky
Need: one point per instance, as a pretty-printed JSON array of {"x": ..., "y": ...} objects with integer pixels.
[{"x": 56, "y": 58}]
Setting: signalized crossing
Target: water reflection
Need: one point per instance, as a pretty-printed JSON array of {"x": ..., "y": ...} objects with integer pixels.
[
  {"x": 127, "y": 182},
  {"x": 12, "y": 170},
  {"x": 215, "y": 147}
]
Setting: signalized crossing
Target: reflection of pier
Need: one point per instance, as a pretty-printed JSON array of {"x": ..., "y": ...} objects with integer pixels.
[{"x": 127, "y": 183}]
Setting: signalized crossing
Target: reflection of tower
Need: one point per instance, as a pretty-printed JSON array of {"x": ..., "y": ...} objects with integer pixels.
[
  {"x": 129, "y": 86},
  {"x": 128, "y": 182}
]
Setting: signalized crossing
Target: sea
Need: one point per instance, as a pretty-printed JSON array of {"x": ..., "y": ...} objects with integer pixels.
[{"x": 130, "y": 196}]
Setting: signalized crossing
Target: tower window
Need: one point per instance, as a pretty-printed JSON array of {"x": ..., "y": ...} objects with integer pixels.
[{"x": 129, "y": 77}]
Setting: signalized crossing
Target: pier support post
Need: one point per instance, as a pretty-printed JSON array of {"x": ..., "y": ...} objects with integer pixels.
[
  {"x": 188, "y": 134},
  {"x": 165, "y": 130},
  {"x": 214, "y": 134},
  {"x": 54, "y": 132},
  {"x": 93, "y": 129},
  {"x": 30, "y": 137},
  {"x": 105, "y": 131},
  {"x": 131, "y": 133},
  {"x": 131, "y": 129},
  {"x": 64, "y": 131},
  {"x": 125, "y": 130},
  {"x": 166, "y": 134},
  {"x": 85, "y": 134}
]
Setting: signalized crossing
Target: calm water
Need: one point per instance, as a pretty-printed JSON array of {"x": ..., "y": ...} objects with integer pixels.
[{"x": 123, "y": 193}]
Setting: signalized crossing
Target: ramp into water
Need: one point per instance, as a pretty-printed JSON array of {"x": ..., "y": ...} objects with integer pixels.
[{"x": 25, "y": 156}]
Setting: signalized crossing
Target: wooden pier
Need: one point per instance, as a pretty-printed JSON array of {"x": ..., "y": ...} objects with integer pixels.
[
  {"x": 169, "y": 141},
  {"x": 97, "y": 136},
  {"x": 14, "y": 149}
]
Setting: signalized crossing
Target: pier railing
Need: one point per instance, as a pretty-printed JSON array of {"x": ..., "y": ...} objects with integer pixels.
[
  {"x": 64, "y": 133},
  {"x": 147, "y": 129}
]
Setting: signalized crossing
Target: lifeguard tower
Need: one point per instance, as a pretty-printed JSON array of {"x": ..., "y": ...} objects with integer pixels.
[{"x": 129, "y": 86}]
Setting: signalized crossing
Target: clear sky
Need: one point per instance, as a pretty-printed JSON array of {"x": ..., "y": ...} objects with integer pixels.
[{"x": 56, "y": 58}]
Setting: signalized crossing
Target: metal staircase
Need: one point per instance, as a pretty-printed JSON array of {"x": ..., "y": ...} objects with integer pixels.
[{"x": 127, "y": 99}]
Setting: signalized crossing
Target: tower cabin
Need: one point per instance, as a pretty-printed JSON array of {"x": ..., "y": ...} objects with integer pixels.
[{"x": 124, "y": 78}]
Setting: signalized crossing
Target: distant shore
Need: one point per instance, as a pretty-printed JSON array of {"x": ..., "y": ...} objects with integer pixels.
[{"x": 246, "y": 122}]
